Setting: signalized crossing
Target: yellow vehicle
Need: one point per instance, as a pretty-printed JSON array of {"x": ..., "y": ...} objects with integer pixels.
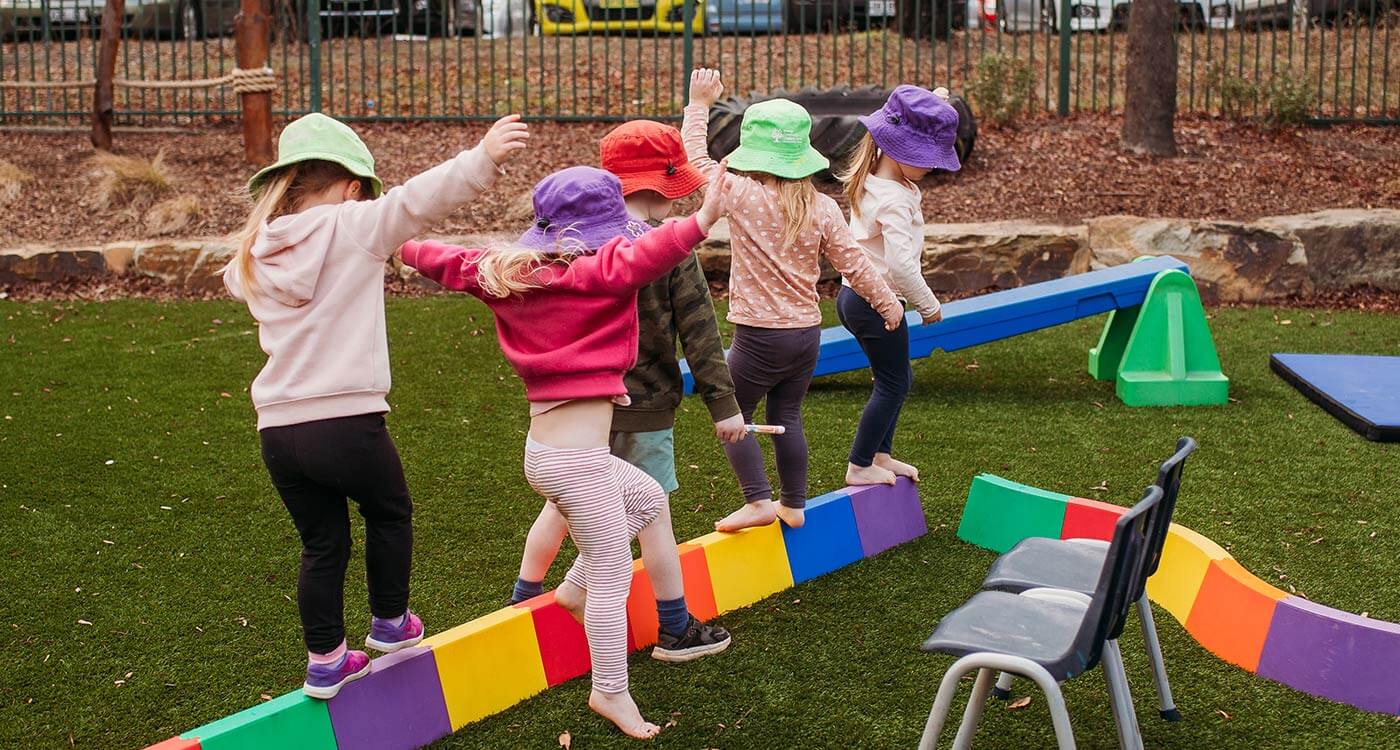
[{"x": 559, "y": 17}]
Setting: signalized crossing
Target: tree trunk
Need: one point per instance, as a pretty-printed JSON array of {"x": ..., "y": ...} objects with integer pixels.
[
  {"x": 112, "y": 14},
  {"x": 251, "y": 40},
  {"x": 1149, "y": 107}
]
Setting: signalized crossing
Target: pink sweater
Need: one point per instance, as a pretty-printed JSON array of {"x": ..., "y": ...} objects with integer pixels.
[
  {"x": 575, "y": 336},
  {"x": 319, "y": 298}
]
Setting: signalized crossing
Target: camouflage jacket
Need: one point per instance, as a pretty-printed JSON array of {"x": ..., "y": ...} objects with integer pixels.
[{"x": 676, "y": 305}]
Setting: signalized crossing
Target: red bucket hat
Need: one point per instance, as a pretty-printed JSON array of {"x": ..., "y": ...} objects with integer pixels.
[{"x": 647, "y": 155}]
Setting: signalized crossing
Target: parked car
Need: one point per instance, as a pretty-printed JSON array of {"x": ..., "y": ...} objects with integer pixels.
[
  {"x": 1246, "y": 14},
  {"x": 1085, "y": 15},
  {"x": 555, "y": 17},
  {"x": 353, "y": 18},
  {"x": 22, "y": 20}
]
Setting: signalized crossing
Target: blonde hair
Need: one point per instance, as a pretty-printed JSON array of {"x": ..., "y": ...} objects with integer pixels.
[
  {"x": 795, "y": 200},
  {"x": 282, "y": 193},
  {"x": 864, "y": 159},
  {"x": 511, "y": 270}
]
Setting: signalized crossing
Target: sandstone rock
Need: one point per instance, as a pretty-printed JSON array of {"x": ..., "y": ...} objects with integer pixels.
[
  {"x": 1003, "y": 254},
  {"x": 1231, "y": 261},
  {"x": 22, "y": 264},
  {"x": 203, "y": 276},
  {"x": 118, "y": 256},
  {"x": 1346, "y": 247},
  {"x": 171, "y": 262}
]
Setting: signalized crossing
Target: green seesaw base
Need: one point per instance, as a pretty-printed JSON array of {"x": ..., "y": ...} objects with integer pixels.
[{"x": 1161, "y": 352}]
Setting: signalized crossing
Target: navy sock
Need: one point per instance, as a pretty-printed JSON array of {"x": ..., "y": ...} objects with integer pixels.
[
  {"x": 526, "y": 590},
  {"x": 673, "y": 615}
]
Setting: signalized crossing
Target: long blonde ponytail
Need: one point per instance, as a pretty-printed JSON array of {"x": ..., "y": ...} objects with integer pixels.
[
  {"x": 863, "y": 162},
  {"x": 795, "y": 198}
]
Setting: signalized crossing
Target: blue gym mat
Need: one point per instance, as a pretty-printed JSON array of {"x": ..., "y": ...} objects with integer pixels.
[{"x": 1363, "y": 391}]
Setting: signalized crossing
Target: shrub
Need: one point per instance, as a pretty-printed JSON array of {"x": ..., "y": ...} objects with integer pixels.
[
  {"x": 1238, "y": 96},
  {"x": 130, "y": 180},
  {"x": 1000, "y": 88},
  {"x": 1289, "y": 97}
]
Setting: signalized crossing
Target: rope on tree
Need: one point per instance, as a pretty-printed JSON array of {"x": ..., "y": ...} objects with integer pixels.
[{"x": 244, "y": 81}]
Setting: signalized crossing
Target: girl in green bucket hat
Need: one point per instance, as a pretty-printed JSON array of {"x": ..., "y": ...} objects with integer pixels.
[
  {"x": 310, "y": 266},
  {"x": 780, "y": 227}
]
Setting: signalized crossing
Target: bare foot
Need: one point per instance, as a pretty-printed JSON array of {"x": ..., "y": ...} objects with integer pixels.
[
  {"x": 793, "y": 517},
  {"x": 620, "y": 709},
  {"x": 758, "y": 513},
  {"x": 871, "y": 474},
  {"x": 886, "y": 461},
  {"x": 572, "y": 598}
]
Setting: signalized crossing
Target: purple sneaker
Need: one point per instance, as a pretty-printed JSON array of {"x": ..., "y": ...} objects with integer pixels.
[
  {"x": 324, "y": 681},
  {"x": 389, "y": 636}
]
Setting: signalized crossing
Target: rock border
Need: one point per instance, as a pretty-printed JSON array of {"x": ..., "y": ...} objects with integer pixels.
[{"x": 1271, "y": 259}]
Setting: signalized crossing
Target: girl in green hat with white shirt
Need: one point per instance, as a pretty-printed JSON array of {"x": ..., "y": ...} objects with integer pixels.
[{"x": 310, "y": 266}]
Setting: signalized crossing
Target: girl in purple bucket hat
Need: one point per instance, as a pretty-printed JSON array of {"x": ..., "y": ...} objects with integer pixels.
[
  {"x": 565, "y": 301},
  {"x": 911, "y": 135}
]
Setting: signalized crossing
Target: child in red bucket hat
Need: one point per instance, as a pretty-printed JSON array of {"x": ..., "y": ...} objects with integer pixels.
[{"x": 649, "y": 160}]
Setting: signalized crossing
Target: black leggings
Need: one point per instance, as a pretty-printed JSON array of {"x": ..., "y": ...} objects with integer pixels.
[
  {"x": 315, "y": 466},
  {"x": 888, "y": 352},
  {"x": 775, "y": 364}
]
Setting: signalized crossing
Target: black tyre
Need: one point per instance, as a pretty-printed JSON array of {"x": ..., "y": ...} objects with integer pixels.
[
  {"x": 836, "y": 128},
  {"x": 188, "y": 20}
]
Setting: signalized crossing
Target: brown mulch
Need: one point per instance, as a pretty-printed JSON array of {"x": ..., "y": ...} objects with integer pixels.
[{"x": 1045, "y": 169}]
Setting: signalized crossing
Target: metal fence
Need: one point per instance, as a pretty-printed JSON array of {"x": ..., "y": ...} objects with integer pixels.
[{"x": 621, "y": 59}]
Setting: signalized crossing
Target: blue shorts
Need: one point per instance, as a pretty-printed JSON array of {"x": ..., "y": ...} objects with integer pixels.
[{"x": 652, "y": 452}]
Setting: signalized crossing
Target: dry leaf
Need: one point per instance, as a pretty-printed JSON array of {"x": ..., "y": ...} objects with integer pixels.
[
  {"x": 1223, "y": 714},
  {"x": 1019, "y": 703},
  {"x": 84, "y": 622},
  {"x": 566, "y": 740}
]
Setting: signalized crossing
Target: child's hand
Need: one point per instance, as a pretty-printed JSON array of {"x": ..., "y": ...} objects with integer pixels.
[
  {"x": 931, "y": 319},
  {"x": 941, "y": 93},
  {"x": 705, "y": 86},
  {"x": 894, "y": 318},
  {"x": 731, "y": 430},
  {"x": 715, "y": 194},
  {"x": 506, "y": 136}
]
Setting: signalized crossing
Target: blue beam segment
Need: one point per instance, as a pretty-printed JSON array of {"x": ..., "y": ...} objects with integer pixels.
[{"x": 1000, "y": 315}]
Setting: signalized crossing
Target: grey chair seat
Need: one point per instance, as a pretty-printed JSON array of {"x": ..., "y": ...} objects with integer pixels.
[
  {"x": 1041, "y": 562},
  {"x": 997, "y": 622}
]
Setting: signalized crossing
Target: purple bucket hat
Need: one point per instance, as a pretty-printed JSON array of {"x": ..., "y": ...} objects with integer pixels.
[
  {"x": 580, "y": 206},
  {"x": 916, "y": 127}
]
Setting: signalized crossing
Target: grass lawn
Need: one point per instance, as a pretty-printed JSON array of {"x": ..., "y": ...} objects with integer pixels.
[{"x": 149, "y": 568}]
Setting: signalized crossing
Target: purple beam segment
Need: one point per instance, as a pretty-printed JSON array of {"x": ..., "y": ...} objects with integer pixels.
[
  {"x": 887, "y": 516},
  {"x": 399, "y": 704},
  {"x": 1334, "y": 654}
]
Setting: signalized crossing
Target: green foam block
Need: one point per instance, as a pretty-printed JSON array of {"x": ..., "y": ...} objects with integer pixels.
[
  {"x": 999, "y": 513},
  {"x": 289, "y": 721},
  {"x": 1169, "y": 357}
]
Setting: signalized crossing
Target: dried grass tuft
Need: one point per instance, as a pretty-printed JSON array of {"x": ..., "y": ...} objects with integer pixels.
[
  {"x": 172, "y": 215},
  {"x": 131, "y": 181},
  {"x": 12, "y": 180}
]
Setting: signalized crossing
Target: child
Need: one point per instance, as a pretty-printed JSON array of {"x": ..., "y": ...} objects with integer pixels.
[
  {"x": 565, "y": 304},
  {"x": 310, "y": 266},
  {"x": 779, "y": 227},
  {"x": 913, "y": 133},
  {"x": 650, "y": 161}
]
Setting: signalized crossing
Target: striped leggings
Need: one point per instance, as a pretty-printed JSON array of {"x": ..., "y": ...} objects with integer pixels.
[{"x": 605, "y": 502}]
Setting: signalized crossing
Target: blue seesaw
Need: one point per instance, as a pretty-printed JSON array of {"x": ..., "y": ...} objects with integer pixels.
[{"x": 1000, "y": 315}]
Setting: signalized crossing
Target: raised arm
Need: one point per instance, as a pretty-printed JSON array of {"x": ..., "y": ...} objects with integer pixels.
[
  {"x": 383, "y": 224},
  {"x": 904, "y": 251},
  {"x": 705, "y": 89},
  {"x": 847, "y": 257},
  {"x": 451, "y": 266}
]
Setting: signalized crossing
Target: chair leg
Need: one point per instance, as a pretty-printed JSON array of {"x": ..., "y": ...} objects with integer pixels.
[
  {"x": 1002, "y": 690},
  {"x": 1059, "y": 714},
  {"x": 1120, "y": 698},
  {"x": 973, "y": 714},
  {"x": 1165, "y": 704},
  {"x": 947, "y": 690}
]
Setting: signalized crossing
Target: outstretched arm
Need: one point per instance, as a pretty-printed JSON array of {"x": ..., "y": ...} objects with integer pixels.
[
  {"x": 449, "y": 265},
  {"x": 380, "y": 226},
  {"x": 847, "y": 257}
]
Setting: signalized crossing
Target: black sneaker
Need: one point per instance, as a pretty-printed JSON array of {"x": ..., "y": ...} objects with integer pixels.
[{"x": 699, "y": 639}]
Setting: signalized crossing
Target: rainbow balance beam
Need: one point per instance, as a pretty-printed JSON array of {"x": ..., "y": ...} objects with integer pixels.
[
  {"x": 1157, "y": 344},
  {"x": 419, "y": 695},
  {"x": 1307, "y": 646}
]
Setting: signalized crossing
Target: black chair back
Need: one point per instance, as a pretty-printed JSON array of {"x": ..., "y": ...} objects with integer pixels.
[
  {"x": 1122, "y": 570},
  {"x": 1169, "y": 479}
]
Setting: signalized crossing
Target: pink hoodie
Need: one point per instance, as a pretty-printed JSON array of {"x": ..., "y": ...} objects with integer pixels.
[
  {"x": 575, "y": 336},
  {"x": 319, "y": 297}
]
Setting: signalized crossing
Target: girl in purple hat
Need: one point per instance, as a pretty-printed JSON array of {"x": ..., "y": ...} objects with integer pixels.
[
  {"x": 565, "y": 301},
  {"x": 907, "y": 138}
]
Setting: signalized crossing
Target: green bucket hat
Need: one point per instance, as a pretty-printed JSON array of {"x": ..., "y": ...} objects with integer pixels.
[
  {"x": 775, "y": 138},
  {"x": 316, "y": 136}
]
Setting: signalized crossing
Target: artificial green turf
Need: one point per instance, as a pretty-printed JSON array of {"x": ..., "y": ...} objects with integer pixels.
[{"x": 132, "y": 497}]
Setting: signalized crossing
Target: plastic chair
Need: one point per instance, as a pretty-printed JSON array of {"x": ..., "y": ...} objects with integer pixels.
[
  {"x": 1049, "y": 636},
  {"x": 1074, "y": 565}
]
